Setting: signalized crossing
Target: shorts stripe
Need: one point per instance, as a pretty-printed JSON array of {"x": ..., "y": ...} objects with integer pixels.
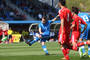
[
  {"x": 60, "y": 38},
  {"x": 72, "y": 38}
]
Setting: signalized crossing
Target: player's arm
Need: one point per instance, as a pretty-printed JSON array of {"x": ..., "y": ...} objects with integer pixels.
[
  {"x": 84, "y": 28},
  {"x": 40, "y": 31},
  {"x": 73, "y": 25},
  {"x": 83, "y": 22},
  {"x": 62, "y": 24},
  {"x": 55, "y": 18}
]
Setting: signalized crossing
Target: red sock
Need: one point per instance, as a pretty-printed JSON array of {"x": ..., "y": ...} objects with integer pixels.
[
  {"x": 67, "y": 57},
  {"x": 0, "y": 41},
  {"x": 74, "y": 48},
  {"x": 80, "y": 44},
  {"x": 64, "y": 52},
  {"x": 67, "y": 50}
]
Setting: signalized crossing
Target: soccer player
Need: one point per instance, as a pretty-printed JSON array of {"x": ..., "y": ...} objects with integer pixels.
[
  {"x": 44, "y": 33},
  {"x": 76, "y": 27},
  {"x": 64, "y": 31},
  {"x": 84, "y": 36}
]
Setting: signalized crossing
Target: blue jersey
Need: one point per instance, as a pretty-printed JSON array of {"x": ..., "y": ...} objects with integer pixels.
[
  {"x": 85, "y": 17},
  {"x": 45, "y": 28}
]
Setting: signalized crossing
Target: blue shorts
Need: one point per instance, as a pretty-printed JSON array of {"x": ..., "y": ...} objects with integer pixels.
[
  {"x": 44, "y": 38},
  {"x": 88, "y": 31},
  {"x": 84, "y": 35}
]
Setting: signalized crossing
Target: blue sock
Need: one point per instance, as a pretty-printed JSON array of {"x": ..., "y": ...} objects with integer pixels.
[
  {"x": 35, "y": 40},
  {"x": 45, "y": 49},
  {"x": 88, "y": 49},
  {"x": 83, "y": 48}
]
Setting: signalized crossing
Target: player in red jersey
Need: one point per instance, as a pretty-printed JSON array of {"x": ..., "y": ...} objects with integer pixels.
[
  {"x": 76, "y": 29},
  {"x": 64, "y": 31}
]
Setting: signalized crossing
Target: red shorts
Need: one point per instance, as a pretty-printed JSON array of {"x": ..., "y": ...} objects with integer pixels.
[
  {"x": 63, "y": 38},
  {"x": 75, "y": 36}
]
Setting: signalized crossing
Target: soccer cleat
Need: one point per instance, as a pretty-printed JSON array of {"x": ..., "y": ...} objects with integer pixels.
[
  {"x": 47, "y": 54},
  {"x": 28, "y": 42},
  {"x": 84, "y": 54},
  {"x": 89, "y": 56},
  {"x": 80, "y": 52}
]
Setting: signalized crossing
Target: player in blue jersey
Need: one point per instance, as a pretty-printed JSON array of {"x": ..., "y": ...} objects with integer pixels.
[
  {"x": 44, "y": 33},
  {"x": 85, "y": 35}
]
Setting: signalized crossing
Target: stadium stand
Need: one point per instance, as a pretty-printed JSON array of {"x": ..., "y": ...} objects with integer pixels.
[
  {"x": 7, "y": 13},
  {"x": 35, "y": 8}
]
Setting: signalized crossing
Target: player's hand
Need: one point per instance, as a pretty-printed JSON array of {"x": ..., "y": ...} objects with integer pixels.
[
  {"x": 40, "y": 36},
  {"x": 88, "y": 42},
  {"x": 82, "y": 32},
  {"x": 62, "y": 42}
]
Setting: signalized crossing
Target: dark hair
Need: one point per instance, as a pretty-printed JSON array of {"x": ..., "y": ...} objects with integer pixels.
[
  {"x": 63, "y": 2},
  {"x": 75, "y": 10},
  {"x": 45, "y": 17}
]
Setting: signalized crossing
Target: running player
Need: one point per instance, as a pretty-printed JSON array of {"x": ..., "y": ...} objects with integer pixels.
[
  {"x": 76, "y": 27},
  {"x": 44, "y": 33},
  {"x": 84, "y": 36},
  {"x": 64, "y": 31}
]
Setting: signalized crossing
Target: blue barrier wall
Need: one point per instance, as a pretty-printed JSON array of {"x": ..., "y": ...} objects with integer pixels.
[{"x": 26, "y": 22}]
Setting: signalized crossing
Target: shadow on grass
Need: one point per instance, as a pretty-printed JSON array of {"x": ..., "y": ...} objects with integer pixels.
[{"x": 85, "y": 58}]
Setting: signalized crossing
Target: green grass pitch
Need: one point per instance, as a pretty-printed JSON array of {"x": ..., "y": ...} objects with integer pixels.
[{"x": 21, "y": 51}]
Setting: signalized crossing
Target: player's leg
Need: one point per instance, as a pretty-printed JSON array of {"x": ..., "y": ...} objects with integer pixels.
[
  {"x": 82, "y": 48},
  {"x": 89, "y": 51},
  {"x": 4, "y": 39},
  {"x": 33, "y": 41},
  {"x": 36, "y": 38},
  {"x": 74, "y": 39},
  {"x": 82, "y": 52},
  {"x": 43, "y": 40},
  {"x": 64, "y": 49}
]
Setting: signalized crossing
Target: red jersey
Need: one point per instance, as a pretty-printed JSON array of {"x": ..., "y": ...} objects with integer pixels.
[
  {"x": 65, "y": 14},
  {"x": 77, "y": 21},
  {"x": 0, "y": 32},
  {"x": 5, "y": 32}
]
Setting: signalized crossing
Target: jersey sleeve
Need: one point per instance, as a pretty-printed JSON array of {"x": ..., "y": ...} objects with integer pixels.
[
  {"x": 50, "y": 21},
  {"x": 82, "y": 21},
  {"x": 39, "y": 25}
]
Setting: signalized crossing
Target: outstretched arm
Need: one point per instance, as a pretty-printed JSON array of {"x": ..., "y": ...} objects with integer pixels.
[
  {"x": 55, "y": 18},
  {"x": 83, "y": 22}
]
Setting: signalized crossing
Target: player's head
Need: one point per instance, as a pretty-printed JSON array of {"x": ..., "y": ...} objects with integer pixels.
[
  {"x": 62, "y": 3},
  {"x": 44, "y": 19},
  {"x": 75, "y": 10}
]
